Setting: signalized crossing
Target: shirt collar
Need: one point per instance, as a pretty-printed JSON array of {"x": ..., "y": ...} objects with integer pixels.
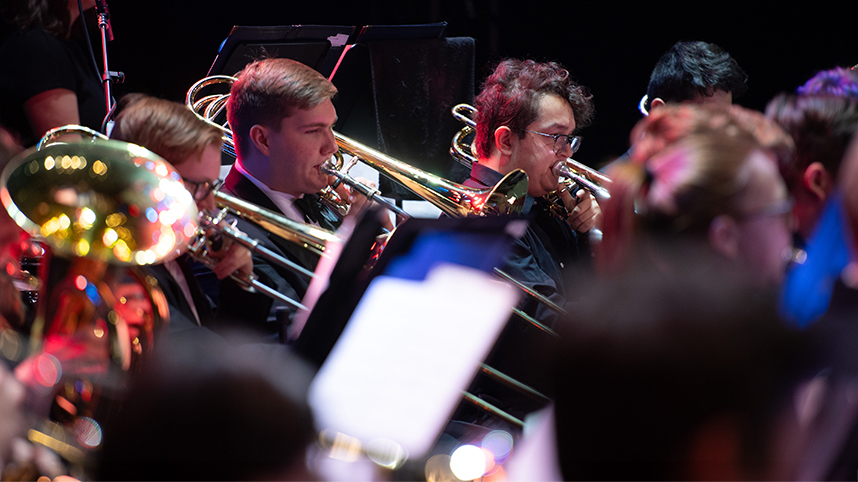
[{"x": 284, "y": 201}]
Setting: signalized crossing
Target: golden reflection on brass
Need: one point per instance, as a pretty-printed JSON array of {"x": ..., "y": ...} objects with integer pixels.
[
  {"x": 136, "y": 197},
  {"x": 99, "y": 168}
]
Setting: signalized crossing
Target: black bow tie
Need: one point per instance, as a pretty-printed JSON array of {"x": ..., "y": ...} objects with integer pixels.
[{"x": 309, "y": 208}]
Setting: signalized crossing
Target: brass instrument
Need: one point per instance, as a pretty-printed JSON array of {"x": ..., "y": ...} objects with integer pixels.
[
  {"x": 572, "y": 172},
  {"x": 335, "y": 169},
  {"x": 310, "y": 237},
  {"x": 57, "y": 132},
  {"x": 109, "y": 201},
  {"x": 107, "y": 207},
  {"x": 210, "y": 107},
  {"x": 507, "y": 197}
]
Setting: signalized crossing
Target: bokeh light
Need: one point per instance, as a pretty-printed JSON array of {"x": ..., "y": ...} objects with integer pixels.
[
  {"x": 386, "y": 452},
  {"x": 500, "y": 444},
  {"x": 47, "y": 370},
  {"x": 468, "y": 462},
  {"x": 88, "y": 432}
]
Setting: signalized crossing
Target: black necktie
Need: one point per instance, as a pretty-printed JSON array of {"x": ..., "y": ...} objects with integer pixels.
[{"x": 308, "y": 207}]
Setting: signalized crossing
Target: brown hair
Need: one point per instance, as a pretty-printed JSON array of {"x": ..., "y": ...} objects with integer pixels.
[
  {"x": 510, "y": 97},
  {"x": 51, "y": 15},
  {"x": 821, "y": 126},
  {"x": 269, "y": 90},
  {"x": 166, "y": 128}
]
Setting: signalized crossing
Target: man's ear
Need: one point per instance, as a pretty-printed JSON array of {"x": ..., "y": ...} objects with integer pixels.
[
  {"x": 817, "y": 180},
  {"x": 657, "y": 102},
  {"x": 724, "y": 236},
  {"x": 259, "y": 137},
  {"x": 503, "y": 140}
]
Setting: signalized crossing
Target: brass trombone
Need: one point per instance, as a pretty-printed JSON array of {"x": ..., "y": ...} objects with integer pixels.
[
  {"x": 571, "y": 171},
  {"x": 310, "y": 237},
  {"x": 507, "y": 197}
]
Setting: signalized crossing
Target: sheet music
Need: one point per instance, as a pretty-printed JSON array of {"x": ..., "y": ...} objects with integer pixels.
[{"x": 408, "y": 352}]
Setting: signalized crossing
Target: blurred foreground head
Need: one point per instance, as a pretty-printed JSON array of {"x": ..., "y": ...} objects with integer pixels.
[
  {"x": 703, "y": 175},
  {"x": 848, "y": 182},
  {"x": 680, "y": 376},
  {"x": 210, "y": 411}
]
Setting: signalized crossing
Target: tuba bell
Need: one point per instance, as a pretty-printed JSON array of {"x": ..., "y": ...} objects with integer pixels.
[{"x": 104, "y": 208}]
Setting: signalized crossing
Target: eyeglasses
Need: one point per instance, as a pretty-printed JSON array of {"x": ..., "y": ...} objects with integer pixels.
[
  {"x": 561, "y": 141},
  {"x": 202, "y": 189}
]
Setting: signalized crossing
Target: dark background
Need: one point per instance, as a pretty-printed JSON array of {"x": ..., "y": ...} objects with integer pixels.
[{"x": 164, "y": 46}]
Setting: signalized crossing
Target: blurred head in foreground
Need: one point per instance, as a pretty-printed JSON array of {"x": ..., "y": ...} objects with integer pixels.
[
  {"x": 210, "y": 411},
  {"x": 704, "y": 175},
  {"x": 680, "y": 376}
]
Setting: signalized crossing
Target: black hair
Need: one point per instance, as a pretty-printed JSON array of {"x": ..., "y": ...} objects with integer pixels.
[{"x": 690, "y": 69}]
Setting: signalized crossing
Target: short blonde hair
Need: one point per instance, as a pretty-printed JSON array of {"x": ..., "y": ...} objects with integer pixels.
[{"x": 166, "y": 128}]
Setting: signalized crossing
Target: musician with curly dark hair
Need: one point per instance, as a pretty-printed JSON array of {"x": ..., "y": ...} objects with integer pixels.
[{"x": 527, "y": 114}]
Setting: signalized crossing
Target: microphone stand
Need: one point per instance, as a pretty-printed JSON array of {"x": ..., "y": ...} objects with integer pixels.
[{"x": 107, "y": 76}]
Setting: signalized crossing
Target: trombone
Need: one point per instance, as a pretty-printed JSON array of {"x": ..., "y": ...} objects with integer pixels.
[
  {"x": 571, "y": 171},
  {"x": 310, "y": 237},
  {"x": 507, "y": 197}
]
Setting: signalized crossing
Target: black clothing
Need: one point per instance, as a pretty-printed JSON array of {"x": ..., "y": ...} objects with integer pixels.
[
  {"x": 236, "y": 306},
  {"x": 176, "y": 299},
  {"x": 34, "y": 61},
  {"x": 548, "y": 254},
  {"x": 544, "y": 259}
]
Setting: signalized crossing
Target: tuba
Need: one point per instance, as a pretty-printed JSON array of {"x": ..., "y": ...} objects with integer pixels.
[{"x": 105, "y": 208}]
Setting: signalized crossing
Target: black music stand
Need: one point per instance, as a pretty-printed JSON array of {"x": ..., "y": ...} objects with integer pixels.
[
  {"x": 417, "y": 246},
  {"x": 318, "y": 46},
  {"x": 353, "y": 77}
]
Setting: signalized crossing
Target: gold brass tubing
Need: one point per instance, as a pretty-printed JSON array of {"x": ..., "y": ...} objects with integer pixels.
[
  {"x": 480, "y": 403},
  {"x": 508, "y": 380},
  {"x": 533, "y": 321},
  {"x": 539, "y": 296},
  {"x": 311, "y": 237}
]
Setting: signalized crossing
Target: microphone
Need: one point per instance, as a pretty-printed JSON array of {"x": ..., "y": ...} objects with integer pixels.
[{"x": 104, "y": 12}]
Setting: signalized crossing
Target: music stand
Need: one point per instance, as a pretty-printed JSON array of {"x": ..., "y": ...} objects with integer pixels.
[
  {"x": 417, "y": 246},
  {"x": 318, "y": 46},
  {"x": 353, "y": 77}
]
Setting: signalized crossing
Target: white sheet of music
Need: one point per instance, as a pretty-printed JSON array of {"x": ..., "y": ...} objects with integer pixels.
[{"x": 409, "y": 350}]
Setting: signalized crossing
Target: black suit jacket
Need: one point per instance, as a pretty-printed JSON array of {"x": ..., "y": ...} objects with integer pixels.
[
  {"x": 254, "y": 311},
  {"x": 181, "y": 315}
]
